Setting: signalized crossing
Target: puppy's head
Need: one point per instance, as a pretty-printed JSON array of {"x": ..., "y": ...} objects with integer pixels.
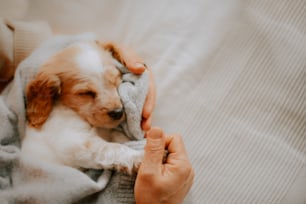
[{"x": 82, "y": 77}]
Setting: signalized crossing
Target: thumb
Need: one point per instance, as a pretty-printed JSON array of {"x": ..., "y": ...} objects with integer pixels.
[{"x": 154, "y": 150}]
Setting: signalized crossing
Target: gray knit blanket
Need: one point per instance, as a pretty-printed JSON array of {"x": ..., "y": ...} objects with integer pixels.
[{"x": 28, "y": 183}]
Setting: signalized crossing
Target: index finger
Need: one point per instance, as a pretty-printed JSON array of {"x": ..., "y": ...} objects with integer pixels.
[{"x": 175, "y": 146}]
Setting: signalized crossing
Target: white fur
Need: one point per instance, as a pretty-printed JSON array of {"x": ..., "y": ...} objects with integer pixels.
[
  {"x": 89, "y": 59},
  {"x": 63, "y": 139}
]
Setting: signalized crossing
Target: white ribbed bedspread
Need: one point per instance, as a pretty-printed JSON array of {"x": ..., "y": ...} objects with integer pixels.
[{"x": 231, "y": 78}]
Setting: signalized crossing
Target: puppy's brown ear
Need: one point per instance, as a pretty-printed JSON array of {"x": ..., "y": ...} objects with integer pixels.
[
  {"x": 114, "y": 50},
  {"x": 41, "y": 94}
]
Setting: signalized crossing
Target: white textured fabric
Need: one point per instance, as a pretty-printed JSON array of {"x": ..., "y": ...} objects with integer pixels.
[{"x": 230, "y": 78}]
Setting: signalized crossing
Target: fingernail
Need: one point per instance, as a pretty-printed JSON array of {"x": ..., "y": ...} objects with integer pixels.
[{"x": 140, "y": 65}]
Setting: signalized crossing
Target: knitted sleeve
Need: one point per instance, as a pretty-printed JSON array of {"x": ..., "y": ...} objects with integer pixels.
[{"x": 17, "y": 40}]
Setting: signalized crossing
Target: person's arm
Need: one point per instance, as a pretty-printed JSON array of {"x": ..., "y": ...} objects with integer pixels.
[{"x": 163, "y": 182}]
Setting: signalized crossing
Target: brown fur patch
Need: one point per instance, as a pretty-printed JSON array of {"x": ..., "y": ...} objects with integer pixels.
[
  {"x": 46, "y": 87},
  {"x": 114, "y": 50},
  {"x": 92, "y": 96},
  {"x": 41, "y": 94}
]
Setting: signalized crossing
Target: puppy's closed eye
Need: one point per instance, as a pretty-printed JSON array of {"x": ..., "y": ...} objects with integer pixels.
[{"x": 87, "y": 93}]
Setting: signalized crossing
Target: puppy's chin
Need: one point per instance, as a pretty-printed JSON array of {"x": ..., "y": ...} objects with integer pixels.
[{"x": 105, "y": 123}]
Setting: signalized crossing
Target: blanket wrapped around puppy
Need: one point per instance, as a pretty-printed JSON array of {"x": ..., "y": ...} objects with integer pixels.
[{"x": 31, "y": 183}]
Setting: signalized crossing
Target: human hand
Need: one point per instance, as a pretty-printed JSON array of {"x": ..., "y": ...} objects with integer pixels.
[
  {"x": 167, "y": 182},
  {"x": 137, "y": 66}
]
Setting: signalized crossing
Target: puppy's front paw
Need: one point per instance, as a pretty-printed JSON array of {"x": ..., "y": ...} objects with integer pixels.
[
  {"x": 132, "y": 163},
  {"x": 137, "y": 161}
]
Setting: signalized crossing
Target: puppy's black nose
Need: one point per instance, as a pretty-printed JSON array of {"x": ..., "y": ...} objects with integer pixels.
[{"x": 116, "y": 114}]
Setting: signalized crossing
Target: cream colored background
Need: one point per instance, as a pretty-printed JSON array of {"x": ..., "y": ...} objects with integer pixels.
[{"x": 230, "y": 78}]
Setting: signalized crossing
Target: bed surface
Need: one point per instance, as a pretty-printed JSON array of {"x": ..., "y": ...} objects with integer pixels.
[{"x": 230, "y": 78}]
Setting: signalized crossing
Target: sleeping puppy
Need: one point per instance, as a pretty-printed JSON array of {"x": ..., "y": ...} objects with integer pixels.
[{"x": 72, "y": 106}]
